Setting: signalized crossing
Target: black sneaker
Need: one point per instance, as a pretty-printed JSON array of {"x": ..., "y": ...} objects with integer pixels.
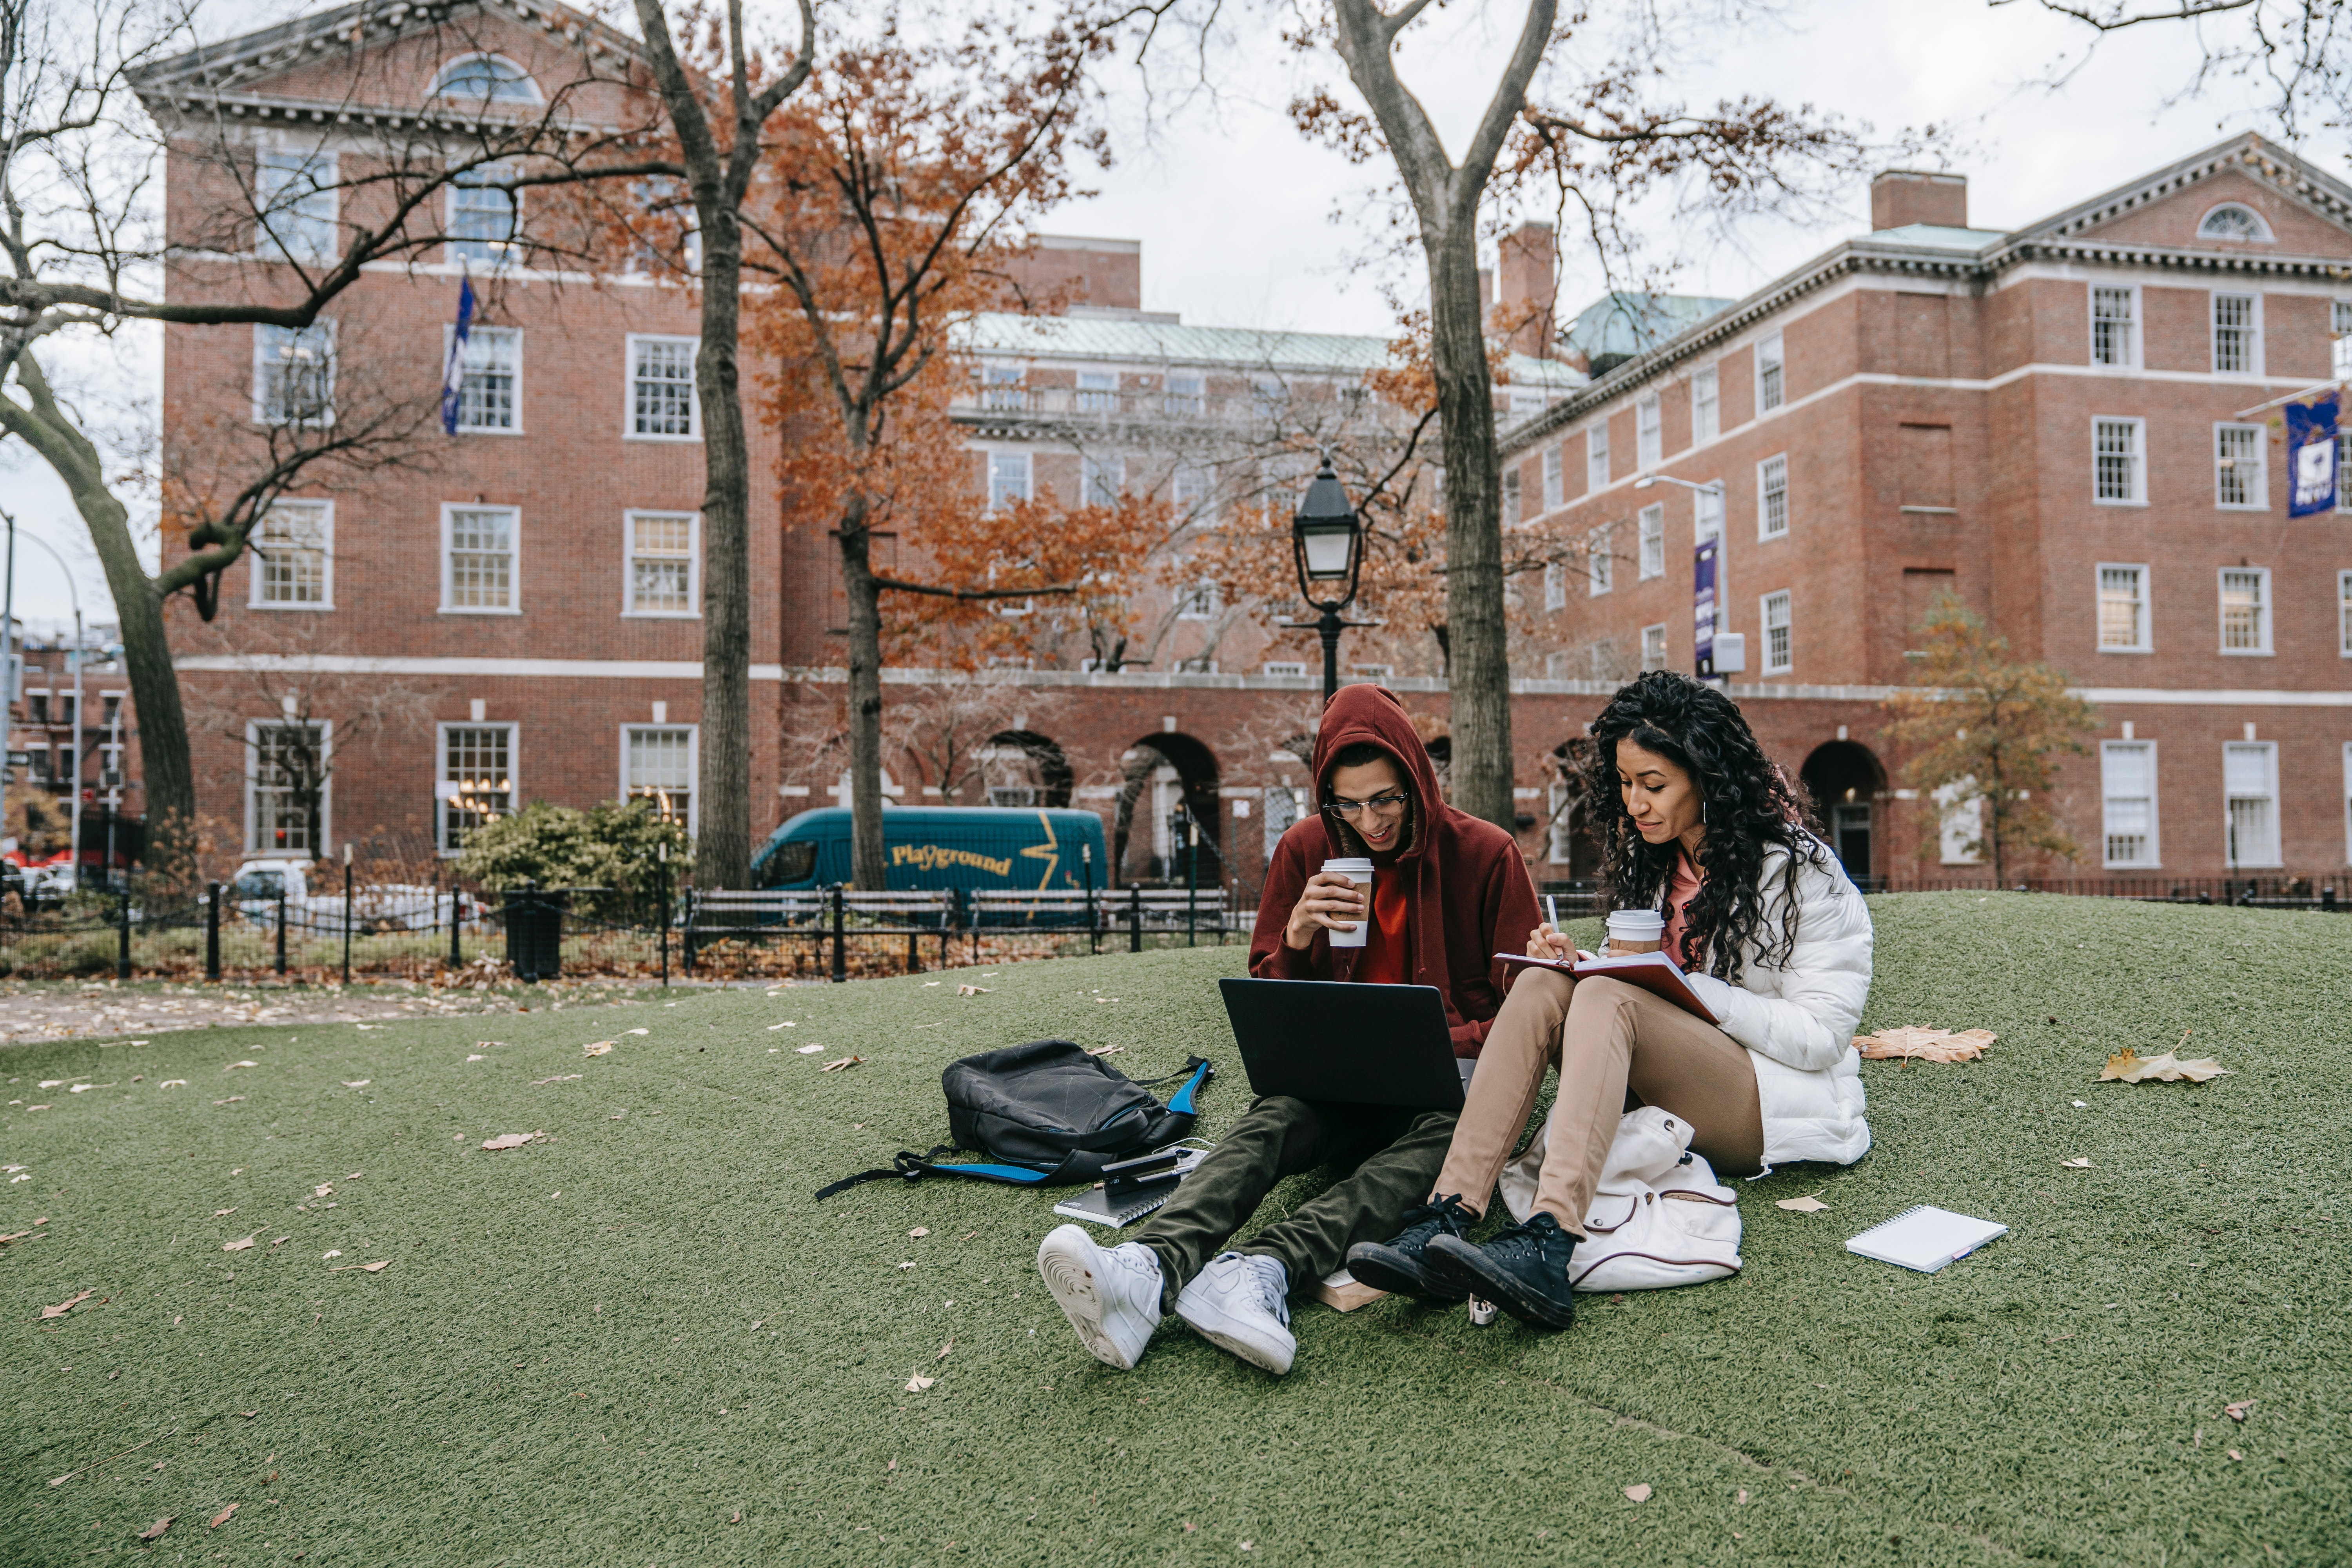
[
  {"x": 1397, "y": 1264},
  {"x": 1522, "y": 1269}
]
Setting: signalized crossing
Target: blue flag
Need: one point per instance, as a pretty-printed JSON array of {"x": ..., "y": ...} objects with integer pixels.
[
  {"x": 453, "y": 375},
  {"x": 2311, "y": 456}
]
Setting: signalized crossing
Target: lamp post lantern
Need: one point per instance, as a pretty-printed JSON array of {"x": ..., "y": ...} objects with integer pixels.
[{"x": 1326, "y": 539}]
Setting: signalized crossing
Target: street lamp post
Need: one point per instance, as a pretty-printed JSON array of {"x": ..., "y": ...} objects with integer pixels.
[{"x": 1326, "y": 542}]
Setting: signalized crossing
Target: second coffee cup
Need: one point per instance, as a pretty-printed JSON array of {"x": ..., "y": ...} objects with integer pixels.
[
  {"x": 1358, "y": 870},
  {"x": 1636, "y": 931}
]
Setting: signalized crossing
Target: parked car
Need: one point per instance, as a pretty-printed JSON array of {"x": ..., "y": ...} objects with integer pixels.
[
  {"x": 931, "y": 847},
  {"x": 380, "y": 906}
]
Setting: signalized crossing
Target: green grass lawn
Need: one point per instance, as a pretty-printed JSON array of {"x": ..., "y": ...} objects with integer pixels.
[{"x": 681, "y": 1339}]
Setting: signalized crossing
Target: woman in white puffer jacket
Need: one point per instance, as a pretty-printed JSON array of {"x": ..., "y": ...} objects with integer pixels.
[{"x": 1697, "y": 823}]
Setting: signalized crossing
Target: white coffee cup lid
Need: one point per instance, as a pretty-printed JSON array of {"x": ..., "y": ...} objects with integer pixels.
[
  {"x": 1636, "y": 922},
  {"x": 1348, "y": 863}
]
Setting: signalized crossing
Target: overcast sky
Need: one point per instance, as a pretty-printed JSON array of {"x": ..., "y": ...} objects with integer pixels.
[{"x": 1235, "y": 209}]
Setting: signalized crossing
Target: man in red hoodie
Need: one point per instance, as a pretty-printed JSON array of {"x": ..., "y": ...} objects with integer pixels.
[{"x": 1449, "y": 891}]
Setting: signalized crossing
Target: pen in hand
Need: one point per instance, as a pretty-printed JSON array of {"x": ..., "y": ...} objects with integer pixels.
[{"x": 1551, "y": 911}]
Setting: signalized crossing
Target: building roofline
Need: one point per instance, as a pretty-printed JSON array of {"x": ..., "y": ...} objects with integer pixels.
[{"x": 210, "y": 68}]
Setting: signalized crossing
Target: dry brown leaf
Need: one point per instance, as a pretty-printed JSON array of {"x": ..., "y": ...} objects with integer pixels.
[
  {"x": 601, "y": 1048},
  {"x": 67, "y": 1305},
  {"x": 21, "y": 1235},
  {"x": 222, "y": 1214},
  {"x": 1742, "y": 1497},
  {"x": 1638, "y": 1492},
  {"x": 1926, "y": 1045},
  {"x": 636, "y": 1031},
  {"x": 363, "y": 1267},
  {"x": 355, "y": 1082},
  {"x": 2126, "y": 1067},
  {"x": 917, "y": 1384},
  {"x": 222, "y": 1517},
  {"x": 974, "y": 990},
  {"x": 806, "y": 1051},
  {"x": 510, "y": 1140},
  {"x": 2238, "y": 1412},
  {"x": 234, "y": 1066},
  {"x": 1106, "y": 1051},
  {"x": 1806, "y": 1204},
  {"x": 323, "y": 1190},
  {"x": 920, "y": 1230},
  {"x": 2083, "y": 1165},
  {"x": 155, "y": 1531},
  {"x": 236, "y": 1245},
  {"x": 232, "y": 1100},
  {"x": 844, "y": 1062},
  {"x": 945, "y": 1348},
  {"x": 559, "y": 1077},
  {"x": 2237, "y": 1456}
]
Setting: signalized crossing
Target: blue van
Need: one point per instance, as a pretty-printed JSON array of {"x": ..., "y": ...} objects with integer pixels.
[{"x": 932, "y": 848}]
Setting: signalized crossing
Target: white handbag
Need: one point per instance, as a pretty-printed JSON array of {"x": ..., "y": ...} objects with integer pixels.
[{"x": 1659, "y": 1219}]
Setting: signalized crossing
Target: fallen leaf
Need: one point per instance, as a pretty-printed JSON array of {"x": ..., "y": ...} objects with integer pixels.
[
  {"x": 2235, "y": 1455},
  {"x": 738, "y": 1516},
  {"x": 53, "y": 1083},
  {"x": 2125, "y": 1067},
  {"x": 559, "y": 1077},
  {"x": 602, "y": 1047},
  {"x": 21, "y": 1235},
  {"x": 1926, "y": 1045},
  {"x": 222, "y": 1213},
  {"x": 53, "y": 1108},
  {"x": 232, "y": 1100},
  {"x": 974, "y": 990},
  {"x": 237, "y": 1245},
  {"x": 2238, "y": 1412},
  {"x": 478, "y": 1057},
  {"x": 2084, "y": 1164},
  {"x": 1106, "y": 1051},
  {"x": 945, "y": 1348},
  {"x": 362, "y": 1267},
  {"x": 173, "y": 1083},
  {"x": 67, "y": 1305},
  {"x": 636, "y": 1031},
  {"x": 356, "y": 1082},
  {"x": 1638, "y": 1492},
  {"x": 844, "y": 1062},
  {"x": 806, "y": 1051},
  {"x": 338, "y": 1252},
  {"x": 155, "y": 1531},
  {"x": 234, "y": 1066},
  {"x": 281, "y": 1241},
  {"x": 222, "y": 1517},
  {"x": 1806, "y": 1204},
  {"x": 920, "y": 1230},
  {"x": 487, "y": 1044},
  {"x": 917, "y": 1384},
  {"x": 323, "y": 1190},
  {"x": 1742, "y": 1497},
  {"x": 510, "y": 1140}
]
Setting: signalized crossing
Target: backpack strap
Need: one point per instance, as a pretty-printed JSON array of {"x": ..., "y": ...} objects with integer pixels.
[
  {"x": 912, "y": 1166},
  {"x": 1197, "y": 1071}
]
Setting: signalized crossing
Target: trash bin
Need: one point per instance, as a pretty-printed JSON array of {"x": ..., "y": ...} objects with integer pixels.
[{"x": 534, "y": 921}]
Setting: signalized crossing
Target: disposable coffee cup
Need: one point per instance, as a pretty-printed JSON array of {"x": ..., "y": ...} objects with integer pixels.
[
  {"x": 1636, "y": 931},
  {"x": 1358, "y": 870}
]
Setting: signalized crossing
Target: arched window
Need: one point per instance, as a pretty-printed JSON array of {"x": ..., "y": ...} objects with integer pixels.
[
  {"x": 2233, "y": 221},
  {"x": 490, "y": 76}
]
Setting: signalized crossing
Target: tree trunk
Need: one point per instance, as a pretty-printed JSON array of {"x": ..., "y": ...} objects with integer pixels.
[
  {"x": 723, "y": 843},
  {"x": 166, "y": 772},
  {"x": 1479, "y": 666},
  {"x": 868, "y": 863}
]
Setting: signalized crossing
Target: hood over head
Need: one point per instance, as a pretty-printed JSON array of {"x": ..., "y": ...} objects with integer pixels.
[{"x": 1365, "y": 712}]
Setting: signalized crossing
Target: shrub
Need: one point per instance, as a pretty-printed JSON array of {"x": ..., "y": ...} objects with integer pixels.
[{"x": 606, "y": 846}]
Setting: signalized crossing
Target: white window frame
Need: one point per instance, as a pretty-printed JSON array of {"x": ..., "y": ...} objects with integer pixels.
[
  {"x": 266, "y": 340},
  {"x": 2143, "y": 617},
  {"x": 1596, "y": 457},
  {"x": 1649, "y": 432},
  {"x": 441, "y": 780},
  {"x": 1600, "y": 567},
  {"x": 1959, "y": 824},
  {"x": 1555, "y": 586},
  {"x": 487, "y": 336},
  {"x": 630, "y": 610},
  {"x": 2262, "y": 575},
  {"x": 513, "y": 607},
  {"x": 275, "y": 171},
  {"x": 1560, "y": 846},
  {"x": 2261, "y": 235},
  {"x": 1653, "y": 646},
  {"x": 488, "y": 253},
  {"x": 1283, "y": 670},
  {"x": 1202, "y": 601},
  {"x": 1101, "y": 481},
  {"x": 2339, "y": 352},
  {"x": 1765, "y": 607},
  {"x": 521, "y": 78},
  {"x": 2254, "y": 328},
  {"x": 1651, "y": 533},
  {"x": 1095, "y": 391},
  {"x": 1707, "y": 405},
  {"x": 2137, "y": 457},
  {"x": 1555, "y": 476},
  {"x": 693, "y": 766},
  {"x": 1706, "y": 518},
  {"x": 2344, "y": 614},
  {"x": 2153, "y": 856},
  {"x": 2266, "y": 856},
  {"x": 629, "y": 378},
  {"x": 253, "y": 728},
  {"x": 2130, "y": 346},
  {"x": 258, "y": 547},
  {"x": 1512, "y": 510},
  {"x": 1767, "y": 471},
  {"x": 1771, "y": 374},
  {"x": 1028, "y": 476},
  {"x": 1184, "y": 392},
  {"x": 2257, "y": 495}
]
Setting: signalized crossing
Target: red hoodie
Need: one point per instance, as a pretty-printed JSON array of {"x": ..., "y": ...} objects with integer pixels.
[{"x": 1466, "y": 889}]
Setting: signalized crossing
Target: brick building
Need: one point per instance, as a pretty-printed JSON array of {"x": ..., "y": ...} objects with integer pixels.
[
  {"x": 2067, "y": 426},
  {"x": 43, "y": 727}
]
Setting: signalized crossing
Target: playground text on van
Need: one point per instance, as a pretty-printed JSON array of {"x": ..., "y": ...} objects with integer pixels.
[{"x": 938, "y": 857}]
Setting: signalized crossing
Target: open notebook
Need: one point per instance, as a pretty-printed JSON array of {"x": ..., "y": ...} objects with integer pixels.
[
  {"x": 1926, "y": 1239},
  {"x": 1653, "y": 972}
]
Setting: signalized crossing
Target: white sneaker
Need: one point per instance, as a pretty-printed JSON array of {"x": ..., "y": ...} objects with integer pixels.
[
  {"x": 1241, "y": 1302},
  {"x": 1111, "y": 1297}
]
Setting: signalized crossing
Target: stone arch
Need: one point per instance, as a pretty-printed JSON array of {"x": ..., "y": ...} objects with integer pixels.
[
  {"x": 1844, "y": 779},
  {"x": 1026, "y": 761},
  {"x": 1165, "y": 772}
]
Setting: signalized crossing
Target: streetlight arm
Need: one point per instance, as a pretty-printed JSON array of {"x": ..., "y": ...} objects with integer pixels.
[{"x": 1712, "y": 487}]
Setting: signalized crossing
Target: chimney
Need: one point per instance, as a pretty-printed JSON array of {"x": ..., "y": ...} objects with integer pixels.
[
  {"x": 1901, "y": 196},
  {"x": 1522, "y": 312}
]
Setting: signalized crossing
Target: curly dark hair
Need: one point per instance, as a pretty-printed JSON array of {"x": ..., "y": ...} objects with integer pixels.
[{"x": 1750, "y": 806}]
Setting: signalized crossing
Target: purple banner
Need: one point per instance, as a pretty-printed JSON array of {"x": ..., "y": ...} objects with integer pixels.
[
  {"x": 2311, "y": 457},
  {"x": 1703, "y": 606}
]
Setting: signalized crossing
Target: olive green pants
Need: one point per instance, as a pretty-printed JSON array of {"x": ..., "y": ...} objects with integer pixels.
[{"x": 1395, "y": 1154}]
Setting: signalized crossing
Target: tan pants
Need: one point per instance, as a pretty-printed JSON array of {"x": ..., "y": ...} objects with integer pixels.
[{"x": 1617, "y": 1047}]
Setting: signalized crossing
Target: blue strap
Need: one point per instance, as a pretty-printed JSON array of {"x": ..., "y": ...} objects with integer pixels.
[
  {"x": 1180, "y": 1102},
  {"x": 1023, "y": 1174}
]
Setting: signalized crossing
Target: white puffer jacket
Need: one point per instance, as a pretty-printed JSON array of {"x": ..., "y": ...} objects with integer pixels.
[{"x": 1798, "y": 1020}]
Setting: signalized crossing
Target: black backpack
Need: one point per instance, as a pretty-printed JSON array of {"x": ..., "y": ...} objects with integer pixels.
[{"x": 1045, "y": 1114}]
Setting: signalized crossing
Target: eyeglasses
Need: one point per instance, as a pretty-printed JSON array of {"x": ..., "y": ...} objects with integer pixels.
[{"x": 1384, "y": 803}]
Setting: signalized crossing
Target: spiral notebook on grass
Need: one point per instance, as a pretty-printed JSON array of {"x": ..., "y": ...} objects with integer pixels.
[
  {"x": 1132, "y": 1188},
  {"x": 1926, "y": 1239}
]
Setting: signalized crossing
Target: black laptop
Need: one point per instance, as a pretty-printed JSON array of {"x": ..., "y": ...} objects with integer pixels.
[{"x": 1333, "y": 1040}]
